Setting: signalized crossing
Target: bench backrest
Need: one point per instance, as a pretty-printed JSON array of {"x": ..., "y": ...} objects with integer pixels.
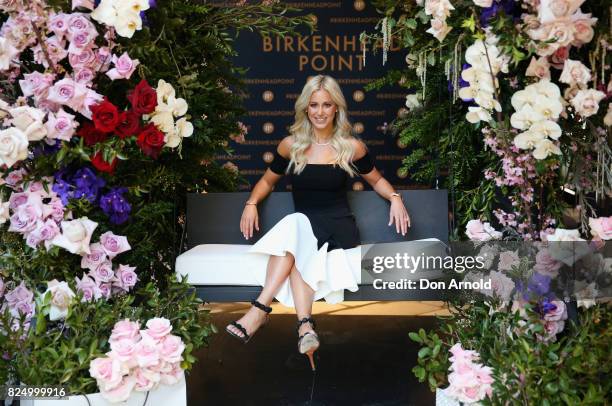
[{"x": 214, "y": 218}]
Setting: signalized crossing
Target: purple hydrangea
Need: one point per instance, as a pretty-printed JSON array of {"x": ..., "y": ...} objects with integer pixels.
[
  {"x": 488, "y": 13},
  {"x": 116, "y": 206}
]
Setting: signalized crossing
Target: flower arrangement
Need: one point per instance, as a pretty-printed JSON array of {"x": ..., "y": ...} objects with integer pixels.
[
  {"x": 140, "y": 359},
  {"x": 525, "y": 87}
]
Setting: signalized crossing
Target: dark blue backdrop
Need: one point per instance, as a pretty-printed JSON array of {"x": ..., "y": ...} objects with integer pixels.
[{"x": 279, "y": 67}]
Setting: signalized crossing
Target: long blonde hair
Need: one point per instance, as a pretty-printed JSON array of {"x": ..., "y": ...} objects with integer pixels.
[{"x": 302, "y": 129}]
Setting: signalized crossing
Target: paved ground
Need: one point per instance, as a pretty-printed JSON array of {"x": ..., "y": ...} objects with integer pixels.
[{"x": 365, "y": 358}]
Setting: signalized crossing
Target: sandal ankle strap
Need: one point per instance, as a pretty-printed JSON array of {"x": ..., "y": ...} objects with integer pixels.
[
  {"x": 260, "y": 306},
  {"x": 306, "y": 320}
]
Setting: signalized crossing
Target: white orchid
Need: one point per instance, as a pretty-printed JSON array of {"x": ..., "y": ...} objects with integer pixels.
[
  {"x": 476, "y": 114},
  {"x": 525, "y": 117},
  {"x": 528, "y": 139},
  {"x": 544, "y": 148}
]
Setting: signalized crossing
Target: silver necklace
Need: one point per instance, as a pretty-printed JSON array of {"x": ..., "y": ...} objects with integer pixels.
[{"x": 322, "y": 144}]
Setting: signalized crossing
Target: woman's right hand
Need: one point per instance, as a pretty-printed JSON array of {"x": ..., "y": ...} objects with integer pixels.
[{"x": 249, "y": 221}]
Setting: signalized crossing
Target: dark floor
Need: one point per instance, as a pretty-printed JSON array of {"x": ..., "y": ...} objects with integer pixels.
[{"x": 363, "y": 360}]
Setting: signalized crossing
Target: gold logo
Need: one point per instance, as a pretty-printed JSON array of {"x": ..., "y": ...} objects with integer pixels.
[
  {"x": 401, "y": 144},
  {"x": 314, "y": 19},
  {"x": 359, "y": 5},
  {"x": 268, "y": 96},
  {"x": 402, "y": 173},
  {"x": 268, "y": 157},
  {"x": 401, "y": 113},
  {"x": 357, "y": 186},
  {"x": 268, "y": 128},
  {"x": 358, "y": 96},
  {"x": 358, "y": 128}
]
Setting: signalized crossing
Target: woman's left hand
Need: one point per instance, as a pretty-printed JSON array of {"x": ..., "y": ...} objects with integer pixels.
[{"x": 399, "y": 215}]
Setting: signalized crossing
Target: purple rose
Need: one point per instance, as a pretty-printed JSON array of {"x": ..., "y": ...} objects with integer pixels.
[
  {"x": 103, "y": 273},
  {"x": 95, "y": 258},
  {"x": 88, "y": 288},
  {"x": 125, "y": 277}
]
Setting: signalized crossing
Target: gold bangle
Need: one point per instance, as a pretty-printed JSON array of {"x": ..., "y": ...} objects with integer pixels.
[
  {"x": 395, "y": 194},
  {"x": 250, "y": 204}
]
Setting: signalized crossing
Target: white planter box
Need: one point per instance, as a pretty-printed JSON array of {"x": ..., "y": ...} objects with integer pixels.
[
  {"x": 170, "y": 395},
  {"x": 443, "y": 400}
]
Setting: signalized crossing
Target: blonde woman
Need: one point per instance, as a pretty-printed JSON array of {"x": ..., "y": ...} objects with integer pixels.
[{"x": 313, "y": 253}]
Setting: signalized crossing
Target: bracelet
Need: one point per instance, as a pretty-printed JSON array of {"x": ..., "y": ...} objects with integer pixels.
[
  {"x": 395, "y": 194},
  {"x": 250, "y": 204}
]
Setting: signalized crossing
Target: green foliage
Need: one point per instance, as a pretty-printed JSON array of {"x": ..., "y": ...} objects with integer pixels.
[{"x": 575, "y": 369}]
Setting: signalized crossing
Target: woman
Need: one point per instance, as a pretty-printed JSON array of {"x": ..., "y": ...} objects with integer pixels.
[{"x": 314, "y": 252}]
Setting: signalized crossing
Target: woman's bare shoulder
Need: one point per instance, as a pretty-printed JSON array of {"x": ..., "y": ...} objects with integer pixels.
[
  {"x": 284, "y": 147},
  {"x": 359, "y": 148}
]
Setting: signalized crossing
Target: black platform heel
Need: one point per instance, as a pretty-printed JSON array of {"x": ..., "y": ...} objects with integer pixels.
[
  {"x": 309, "y": 342},
  {"x": 246, "y": 337}
]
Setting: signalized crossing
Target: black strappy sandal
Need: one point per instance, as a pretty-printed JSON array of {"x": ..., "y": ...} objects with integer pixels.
[
  {"x": 246, "y": 337},
  {"x": 309, "y": 342}
]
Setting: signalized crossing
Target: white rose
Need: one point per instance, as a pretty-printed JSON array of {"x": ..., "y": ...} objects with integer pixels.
[
  {"x": 439, "y": 29},
  {"x": 586, "y": 102},
  {"x": 13, "y": 146},
  {"x": 574, "y": 72},
  {"x": 544, "y": 148},
  {"x": 76, "y": 235},
  {"x": 61, "y": 296},
  {"x": 24, "y": 116},
  {"x": 184, "y": 128},
  {"x": 163, "y": 120},
  {"x": 4, "y": 211},
  {"x": 483, "y": 3}
]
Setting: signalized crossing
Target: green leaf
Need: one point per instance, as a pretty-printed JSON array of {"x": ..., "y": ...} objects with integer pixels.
[
  {"x": 469, "y": 23},
  {"x": 415, "y": 337},
  {"x": 419, "y": 372},
  {"x": 411, "y": 23},
  {"x": 436, "y": 350},
  {"x": 424, "y": 352}
]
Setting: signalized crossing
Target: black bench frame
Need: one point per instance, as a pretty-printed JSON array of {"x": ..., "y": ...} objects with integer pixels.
[{"x": 213, "y": 218}]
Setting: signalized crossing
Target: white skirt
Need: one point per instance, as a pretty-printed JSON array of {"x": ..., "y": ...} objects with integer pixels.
[{"x": 327, "y": 273}]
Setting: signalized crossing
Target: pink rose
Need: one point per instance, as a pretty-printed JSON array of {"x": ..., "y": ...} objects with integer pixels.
[
  {"x": 574, "y": 72},
  {"x": 157, "y": 328},
  {"x": 507, "y": 260},
  {"x": 36, "y": 83},
  {"x": 68, "y": 92},
  {"x": 107, "y": 371},
  {"x": 124, "y": 350},
  {"x": 121, "y": 392},
  {"x": 60, "y": 126},
  {"x": 91, "y": 98},
  {"x": 174, "y": 375},
  {"x": 84, "y": 58},
  {"x": 81, "y": 40},
  {"x": 13, "y": 178},
  {"x": 18, "y": 295},
  {"x": 114, "y": 244},
  {"x": 559, "y": 56},
  {"x": 145, "y": 379},
  {"x": 88, "y": 4},
  {"x": 95, "y": 258},
  {"x": 57, "y": 24},
  {"x": 478, "y": 231},
  {"x": 559, "y": 312},
  {"x": 125, "y": 329},
  {"x": 44, "y": 232},
  {"x": 54, "y": 209},
  {"x": 146, "y": 352},
  {"x": 171, "y": 348},
  {"x": 89, "y": 288},
  {"x": 601, "y": 227},
  {"x": 106, "y": 289},
  {"x": 77, "y": 22},
  {"x": 538, "y": 68},
  {"x": 84, "y": 76},
  {"x": 26, "y": 216},
  {"x": 583, "y": 26},
  {"x": 125, "y": 277},
  {"x": 103, "y": 273},
  {"x": 586, "y": 102},
  {"x": 17, "y": 199},
  {"x": 103, "y": 59},
  {"x": 546, "y": 264},
  {"x": 124, "y": 67}
]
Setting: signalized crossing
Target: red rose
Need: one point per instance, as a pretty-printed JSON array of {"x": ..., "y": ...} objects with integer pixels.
[
  {"x": 105, "y": 116},
  {"x": 129, "y": 124},
  {"x": 100, "y": 164},
  {"x": 90, "y": 134},
  {"x": 151, "y": 140},
  {"x": 143, "y": 98}
]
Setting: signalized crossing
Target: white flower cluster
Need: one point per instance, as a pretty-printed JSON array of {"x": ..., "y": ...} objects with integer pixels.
[
  {"x": 123, "y": 15},
  {"x": 439, "y": 10},
  {"x": 537, "y": 107},
  {"x": 168, "y": 108},
  {"x": 487, "y": 62}
]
